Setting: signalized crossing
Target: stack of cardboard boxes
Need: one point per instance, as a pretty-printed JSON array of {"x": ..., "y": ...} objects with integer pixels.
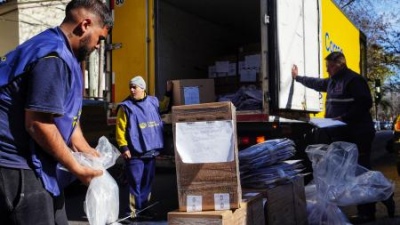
[
  {"x": 206, "y": 157},
  {"x": 234, "y": 71},
  {"x": 208, "y": 178}
]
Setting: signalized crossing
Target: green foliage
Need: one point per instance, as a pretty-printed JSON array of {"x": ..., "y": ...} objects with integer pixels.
[{"x": 383, "y": 48}]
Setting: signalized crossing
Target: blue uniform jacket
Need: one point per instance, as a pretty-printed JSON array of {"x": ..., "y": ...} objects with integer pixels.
[
  {"x": 16, "y": 63},
  {"x": 144, "y": 131}
]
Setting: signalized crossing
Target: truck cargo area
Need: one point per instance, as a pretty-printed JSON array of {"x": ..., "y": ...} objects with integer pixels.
[
  {"x": 194, "y": 37},
  {"x": 197, "y": 40},
  {"x": 233, "y": 43}
]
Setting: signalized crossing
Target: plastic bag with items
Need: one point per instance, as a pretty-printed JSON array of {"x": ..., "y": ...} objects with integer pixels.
[
  {"x": 340, "y": 181},
  {"x": 102, "y": 197}
]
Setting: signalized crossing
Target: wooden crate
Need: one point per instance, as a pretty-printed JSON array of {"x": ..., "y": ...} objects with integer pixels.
[
  {"x": 201, "y": 185},
  {"x": 286, "y": 204},
  {"x": 251, "y": 211}
]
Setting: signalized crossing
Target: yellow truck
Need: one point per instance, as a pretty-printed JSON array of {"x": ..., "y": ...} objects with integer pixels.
[{"x": 243, "y": 46}]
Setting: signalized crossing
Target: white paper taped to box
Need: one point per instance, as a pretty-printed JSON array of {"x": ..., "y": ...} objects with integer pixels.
[{"x": 205, "y": 142}]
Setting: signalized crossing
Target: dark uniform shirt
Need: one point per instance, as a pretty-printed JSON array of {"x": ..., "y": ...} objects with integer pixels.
[{"x": 348, "y": 97}]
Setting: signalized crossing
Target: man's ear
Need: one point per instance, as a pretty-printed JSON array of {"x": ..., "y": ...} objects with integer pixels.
[
  {"x": 82, "y": 27},
  {"x": 85, "y": 24}
]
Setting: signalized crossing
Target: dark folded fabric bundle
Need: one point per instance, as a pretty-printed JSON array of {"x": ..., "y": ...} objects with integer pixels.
[
  {"x": 263, "y": 165},
  {"x": 266, "y": 153},
  {"x": 271, "y": 176},
  {"x": 245, "y": 99}
]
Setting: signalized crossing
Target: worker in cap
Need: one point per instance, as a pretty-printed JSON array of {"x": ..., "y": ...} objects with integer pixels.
[
  {"x": 139, "y": 135},
  {"x": 348, "y": 99}
]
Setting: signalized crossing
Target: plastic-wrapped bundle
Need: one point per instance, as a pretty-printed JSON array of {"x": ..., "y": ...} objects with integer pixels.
[
  {"x": 266, "y": 153},
  {"x": 322, "y": 212},
  {"x": 102, "y": 200},
  {"x": 102, "y": 197},
  {"x": 270, "y": 176},
  {"x": 263, "y": 165},
  {"x": 246, "y": 98},
  {"x": 340, "y": 181}
]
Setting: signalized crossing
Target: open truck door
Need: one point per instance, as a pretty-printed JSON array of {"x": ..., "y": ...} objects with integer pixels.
[{"x": 295, "y": 34}]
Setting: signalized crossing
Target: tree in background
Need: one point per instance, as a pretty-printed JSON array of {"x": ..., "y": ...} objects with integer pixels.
[{"x": 379, "y": 24}]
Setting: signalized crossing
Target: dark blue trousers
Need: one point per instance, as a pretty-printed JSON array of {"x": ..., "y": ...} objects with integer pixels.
[{"x": 140, "y": 176}]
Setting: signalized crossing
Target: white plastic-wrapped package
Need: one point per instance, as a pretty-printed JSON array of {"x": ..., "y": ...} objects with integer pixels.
[
  {"x": 102, "y": 200},
  {"x": 102, "y": 197}
]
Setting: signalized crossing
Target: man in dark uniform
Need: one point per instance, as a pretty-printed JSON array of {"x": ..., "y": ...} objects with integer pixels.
[{"x": 349, "y": 100}]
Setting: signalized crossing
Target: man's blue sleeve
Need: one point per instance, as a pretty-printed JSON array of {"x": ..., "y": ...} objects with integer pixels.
[{"x": 48, "y": 86}]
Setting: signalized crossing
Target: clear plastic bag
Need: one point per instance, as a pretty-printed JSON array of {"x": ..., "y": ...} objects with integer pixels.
[
  {"x": 322, "y": 212},
  {"x": 102, "y": 197},
  {"x": 102, "y": 200},
  {"x": 340, "y": 181}
]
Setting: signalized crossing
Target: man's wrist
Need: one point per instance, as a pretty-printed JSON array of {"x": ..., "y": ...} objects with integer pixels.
[{"x": 124, "y": 148}]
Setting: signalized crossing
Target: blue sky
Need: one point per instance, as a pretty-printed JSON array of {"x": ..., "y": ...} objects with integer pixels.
[
  {"x": 388, "y": 8},
  {"x": 390, "y": 11}
]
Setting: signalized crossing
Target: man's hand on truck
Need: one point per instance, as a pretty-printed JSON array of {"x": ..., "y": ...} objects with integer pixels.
[{"x": 295, "y": 71}]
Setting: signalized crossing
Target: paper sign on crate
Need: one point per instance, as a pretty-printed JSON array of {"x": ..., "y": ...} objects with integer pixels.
[
  {"x": 206, "y": 156},
  {"x": 194, "y": 146}
]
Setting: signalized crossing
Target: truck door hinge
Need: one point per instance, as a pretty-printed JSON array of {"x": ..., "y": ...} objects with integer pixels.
[
  {"x": 266, "y": 19},
  {"x": 113, "y": 46}
]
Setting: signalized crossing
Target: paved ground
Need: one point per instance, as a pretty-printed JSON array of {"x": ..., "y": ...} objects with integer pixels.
[{"x": 166, "y": 191}]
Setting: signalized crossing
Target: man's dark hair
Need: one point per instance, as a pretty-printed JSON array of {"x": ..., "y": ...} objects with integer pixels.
[
  {"x": 96, "y": 7},
  {"x": 337, "y": 58}
]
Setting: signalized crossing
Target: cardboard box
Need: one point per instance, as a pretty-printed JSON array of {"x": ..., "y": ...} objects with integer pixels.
[
  {"x": 286, "y": 203},
  {"x": 201, "y": 218},
  {"x": 206, "y": 156},
  {"x": 193, "y": 91},
  {"x": 249, "y": 213}
]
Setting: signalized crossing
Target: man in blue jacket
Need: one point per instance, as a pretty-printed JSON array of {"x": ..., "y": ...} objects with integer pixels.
[
  {"x": 40, "y": 106},
  {"x": 139, "y": 135},
  {"x": 348, "y": 99}
]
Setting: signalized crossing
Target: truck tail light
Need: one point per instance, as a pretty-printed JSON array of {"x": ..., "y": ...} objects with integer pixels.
[
  {"x": 260, "y": 139},
  {"x": 244, "y": 140}
]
